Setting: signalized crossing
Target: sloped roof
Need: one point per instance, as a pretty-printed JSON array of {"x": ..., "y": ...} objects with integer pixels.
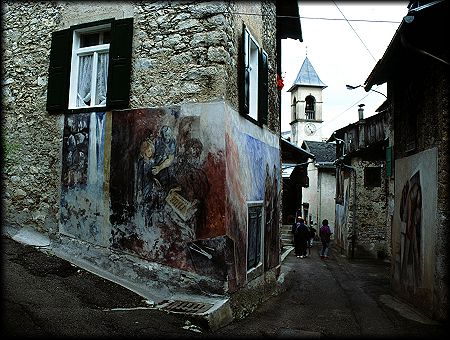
[
  {"x": 307, "y": 76},
  {"x": 420, "y": 37},
  {"x": 288, "y": 20},
  {"x": 324, "y": 152}
]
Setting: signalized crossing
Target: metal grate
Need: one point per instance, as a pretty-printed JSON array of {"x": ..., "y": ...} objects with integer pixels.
[{"x": 186, "y": 306}]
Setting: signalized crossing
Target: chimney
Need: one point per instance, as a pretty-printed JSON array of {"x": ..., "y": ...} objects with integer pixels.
[{"x": 361, "y": 111}]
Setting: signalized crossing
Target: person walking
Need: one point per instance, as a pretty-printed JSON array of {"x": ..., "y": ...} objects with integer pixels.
[
  {"x": 325, "y": 237},
  {"x": 312, "y": 235},
  {"x": 301, "y": 237}
]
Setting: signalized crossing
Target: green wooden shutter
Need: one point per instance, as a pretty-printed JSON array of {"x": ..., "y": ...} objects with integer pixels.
[
  {"x": 389, "y": 161},
  {"x": 246, "y": 75},
  {"x": 263, "y": 87},
  {"x": 119, "y": 71},
  {"x": 59, "y": 71}
]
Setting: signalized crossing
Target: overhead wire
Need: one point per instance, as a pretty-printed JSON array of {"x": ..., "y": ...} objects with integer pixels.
[
  {"x": 348, "y": 21},
  {"x": 355, "y": 31}
]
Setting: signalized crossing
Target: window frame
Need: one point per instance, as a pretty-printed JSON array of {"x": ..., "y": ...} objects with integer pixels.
[
  {"x": 119, "y": 67},
  {"x": 310, "y": 113},
  {"x": 255, "y": 80},
  {"x": 259, "y": 256},
  {"x": 372, "y": 177},
  {"x": 77, "y": 53}
]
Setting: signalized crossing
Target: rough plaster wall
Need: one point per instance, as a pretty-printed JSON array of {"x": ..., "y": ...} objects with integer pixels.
[
  {"x": 310, "y": 194},
  {"x": 430, "y": 104},
  {"x": 252, "y": 175},
  {"x": 328, "y": 193},
  {"x": 370, "y": 211}
]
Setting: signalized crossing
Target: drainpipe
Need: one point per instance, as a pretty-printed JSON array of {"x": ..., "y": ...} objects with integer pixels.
[{"x": 353, "y": 236}]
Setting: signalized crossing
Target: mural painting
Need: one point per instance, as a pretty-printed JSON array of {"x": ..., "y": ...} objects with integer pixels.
[
  {"x": 341, "y": 228},
  {"x": 253, "y": 175},
  {"x": 414, "y": 223},
  {"x": 83, "y": 210},
  {"x": 411, "y": 225},
  {"x": 162, "y": 195},
  {"x": 162, "y": 159}
]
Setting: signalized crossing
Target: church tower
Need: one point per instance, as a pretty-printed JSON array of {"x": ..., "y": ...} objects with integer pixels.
[{"x": 306, "y": 105}]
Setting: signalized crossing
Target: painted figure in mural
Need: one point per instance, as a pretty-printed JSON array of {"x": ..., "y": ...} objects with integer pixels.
[
  {"x": 192, "y": 187},
  {"x": 165, "y": 148},
  {"x": 325, "y": 238},
  {"x": 272, "y": 214},
  {"x": 411, "y": 217},
  {"x": 154, "y": 172},
  {"x": 301, "y": 237},
  {"x": 161, "y": 174}
]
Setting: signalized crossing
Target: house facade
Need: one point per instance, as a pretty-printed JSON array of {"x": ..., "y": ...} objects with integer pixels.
[
  {"x": 318, "y": 197},
  {"x": 415, "y": 67},
  {"x": 148, "y": 133},
  {"x": 362, "y": 222}
]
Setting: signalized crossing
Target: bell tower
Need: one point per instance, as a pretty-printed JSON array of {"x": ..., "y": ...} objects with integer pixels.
[{"x": 306, "y": 105}]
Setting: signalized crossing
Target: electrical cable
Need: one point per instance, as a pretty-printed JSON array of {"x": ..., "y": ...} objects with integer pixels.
[{"x": 354, "y": 31}]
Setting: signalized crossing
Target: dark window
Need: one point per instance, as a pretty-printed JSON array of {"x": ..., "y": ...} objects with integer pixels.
[
  {"x": 254, "y": 236},
  {"x": 118, "y": 35},
  {"x": 294, "y": 109},
  {"x": 310, "y": 107},
  {"x": 372, "y": 177},
  {"x": 255, "y": 80}
]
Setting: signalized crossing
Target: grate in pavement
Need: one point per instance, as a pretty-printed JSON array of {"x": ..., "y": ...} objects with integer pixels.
[{"x": 186, "y": 306}]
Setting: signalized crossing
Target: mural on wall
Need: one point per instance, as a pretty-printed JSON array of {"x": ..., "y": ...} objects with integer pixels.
[
  {"x": 342, "y": 212},
  {"x": 83, "y": 210},
  {"x": 410, "y": 235},
  {"x": 253, "y": 175},
  {"x": 415, "y": 221},
  {"x": 162, "y": 194},
  {"x": 160, "y": 207}
]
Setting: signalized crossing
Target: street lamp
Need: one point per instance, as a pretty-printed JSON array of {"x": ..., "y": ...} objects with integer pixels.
[{"x": 350, "y": 87}]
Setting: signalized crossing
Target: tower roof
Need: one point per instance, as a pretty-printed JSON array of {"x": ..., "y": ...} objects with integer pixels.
[{"x": 307, "y": 76}]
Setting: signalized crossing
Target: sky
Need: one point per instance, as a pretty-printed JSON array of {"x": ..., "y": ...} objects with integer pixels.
[{"x": 340, "y": 56}]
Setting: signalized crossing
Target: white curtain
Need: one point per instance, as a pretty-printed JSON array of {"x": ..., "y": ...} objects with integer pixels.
[
  {"x": 84, "y": 81},
  {"x": 102, "y": 76}
]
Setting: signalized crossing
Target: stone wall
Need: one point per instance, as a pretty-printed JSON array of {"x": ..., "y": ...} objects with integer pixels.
[
  {"x": 370, "y": 212},
  {"x": 185, "y": 51}
]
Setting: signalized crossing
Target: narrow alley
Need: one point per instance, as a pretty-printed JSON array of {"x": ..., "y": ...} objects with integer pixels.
[
  {"x": 44, "y": 295},
  {"x": 335, "y": 298}
]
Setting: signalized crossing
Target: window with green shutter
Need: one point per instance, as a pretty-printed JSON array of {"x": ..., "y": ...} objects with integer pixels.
[
  {"x": 90, "y": 67},
  {"x": 255, "y": 80},
  {"x": 389, "y": 168}
]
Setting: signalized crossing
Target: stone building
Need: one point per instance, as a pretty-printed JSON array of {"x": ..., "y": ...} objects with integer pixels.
[
  {"x": 362, "y": 186},
  {"x": 415, "y": 67},
  {"x": 143, "y": 139}
]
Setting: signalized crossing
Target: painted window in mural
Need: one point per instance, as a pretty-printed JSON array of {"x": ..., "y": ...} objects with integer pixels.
[
  {"x": 254, "y": 235},
  {"x": 255, "y": 80},
  {"x": 90, "y": 67}
]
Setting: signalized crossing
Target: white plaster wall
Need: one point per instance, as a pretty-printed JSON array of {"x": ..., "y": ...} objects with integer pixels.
[{"x": 327, "y": 202}]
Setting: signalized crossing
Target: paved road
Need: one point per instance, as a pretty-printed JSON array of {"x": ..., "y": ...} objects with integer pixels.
[
  {"x": 335, "y": 298},
  {"x": 46, "y": 296}
]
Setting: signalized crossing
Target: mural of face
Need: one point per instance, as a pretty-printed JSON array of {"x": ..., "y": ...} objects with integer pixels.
[{"x": 147, "y": 149}]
